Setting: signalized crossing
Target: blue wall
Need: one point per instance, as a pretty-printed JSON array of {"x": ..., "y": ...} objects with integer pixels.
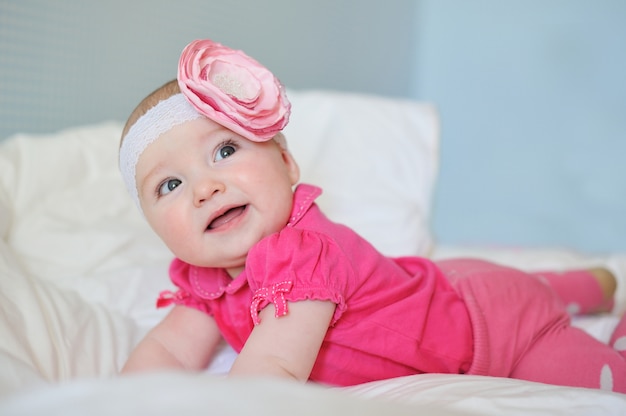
[{"x": 532, "y": 97}]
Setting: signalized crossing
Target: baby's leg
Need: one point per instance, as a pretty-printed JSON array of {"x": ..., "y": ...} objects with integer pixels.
[
  {"x": 582, "y": 291},
  {"x": 568, "y": 356}
]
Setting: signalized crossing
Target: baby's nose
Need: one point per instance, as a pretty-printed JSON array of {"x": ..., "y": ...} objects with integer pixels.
[{"x": 205, "y": 189}]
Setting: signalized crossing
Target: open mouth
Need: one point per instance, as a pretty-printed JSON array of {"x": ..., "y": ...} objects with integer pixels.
[{"x": 226, "y": 217}]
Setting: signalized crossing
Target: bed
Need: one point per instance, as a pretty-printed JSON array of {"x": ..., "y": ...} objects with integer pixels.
[{"x": 80, "y": 272}]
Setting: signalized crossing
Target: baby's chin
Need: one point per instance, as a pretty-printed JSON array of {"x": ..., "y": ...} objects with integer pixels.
[{"x": 233, "y": 268}]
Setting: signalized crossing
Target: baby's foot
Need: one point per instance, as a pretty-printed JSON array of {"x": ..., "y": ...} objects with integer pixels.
[
  {"x": 617, "y": 265},
  {"x": 608, "y": 284}
]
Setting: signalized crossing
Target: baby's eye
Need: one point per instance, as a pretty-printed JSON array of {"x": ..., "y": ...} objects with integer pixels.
[
  {"x": 224, "y": 151},
  {"x": 168, "y": 186}
]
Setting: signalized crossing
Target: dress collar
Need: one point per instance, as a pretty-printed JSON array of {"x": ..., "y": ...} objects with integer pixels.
[{"x": 303, "y": 199}]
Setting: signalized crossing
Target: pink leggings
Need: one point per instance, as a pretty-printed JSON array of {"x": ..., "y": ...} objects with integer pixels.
[{"x": 522, "y": 329}]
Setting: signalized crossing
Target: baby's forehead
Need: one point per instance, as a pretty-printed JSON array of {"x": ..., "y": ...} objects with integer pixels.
[{"x": 188, "y": 135}]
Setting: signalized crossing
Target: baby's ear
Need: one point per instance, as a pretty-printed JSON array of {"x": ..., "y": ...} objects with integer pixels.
[
  {"x": 290, "y": 161},
  {"x": 293, "y": 169}
]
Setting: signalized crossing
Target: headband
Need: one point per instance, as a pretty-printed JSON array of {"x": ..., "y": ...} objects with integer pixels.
[
  {"x": 216, "y": 82},
  {"x": 159, "y": 119}
]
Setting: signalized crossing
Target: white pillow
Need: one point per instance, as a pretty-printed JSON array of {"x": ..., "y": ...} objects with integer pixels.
[{"x": 376, "y": 159}]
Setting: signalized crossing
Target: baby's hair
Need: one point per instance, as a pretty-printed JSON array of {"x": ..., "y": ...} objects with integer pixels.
[{"x": 164, "y": 92}]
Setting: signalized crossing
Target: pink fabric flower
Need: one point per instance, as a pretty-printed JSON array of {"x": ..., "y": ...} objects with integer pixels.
[{"x": 232, "y": 89}]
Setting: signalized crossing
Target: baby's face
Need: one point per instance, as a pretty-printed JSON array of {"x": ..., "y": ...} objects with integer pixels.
[{"x": 211, "y": 194}]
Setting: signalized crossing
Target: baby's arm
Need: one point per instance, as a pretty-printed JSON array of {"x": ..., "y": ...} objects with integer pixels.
[
  {"x": 185, "y": 339},
  {"x": 287, "y": 346}
]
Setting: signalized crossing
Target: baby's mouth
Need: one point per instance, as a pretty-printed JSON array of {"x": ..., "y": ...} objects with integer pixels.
[{"x": 226, "y": 217}]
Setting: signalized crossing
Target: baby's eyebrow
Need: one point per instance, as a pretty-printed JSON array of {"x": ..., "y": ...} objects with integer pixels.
[{"x": 153, "y": 172}]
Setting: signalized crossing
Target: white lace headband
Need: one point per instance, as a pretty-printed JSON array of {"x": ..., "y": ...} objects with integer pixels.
[{"x": 159, "y": 119}]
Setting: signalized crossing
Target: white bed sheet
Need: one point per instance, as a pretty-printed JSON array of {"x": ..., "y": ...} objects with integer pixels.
[{"x": 190, "y": 394}]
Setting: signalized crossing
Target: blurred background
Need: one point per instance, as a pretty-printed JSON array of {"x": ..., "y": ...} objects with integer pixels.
[{"x": 531, "y": 93}]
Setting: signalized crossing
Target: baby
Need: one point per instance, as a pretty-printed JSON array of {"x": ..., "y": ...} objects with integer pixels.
[{"x": 298, "y": 296}]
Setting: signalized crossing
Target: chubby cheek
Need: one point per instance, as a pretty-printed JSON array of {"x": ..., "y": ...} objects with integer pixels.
[{"x": 171, "y": 228}]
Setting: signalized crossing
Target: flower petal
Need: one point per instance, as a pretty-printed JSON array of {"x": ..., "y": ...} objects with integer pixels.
[{"x": 232, "y": 89}]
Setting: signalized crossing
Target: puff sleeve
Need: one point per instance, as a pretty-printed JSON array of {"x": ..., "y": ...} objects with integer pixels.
[{"x": 295, "y": 265}]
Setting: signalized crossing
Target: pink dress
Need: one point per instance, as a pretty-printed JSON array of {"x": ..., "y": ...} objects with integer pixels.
[{"x": 394, "y": 317}]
